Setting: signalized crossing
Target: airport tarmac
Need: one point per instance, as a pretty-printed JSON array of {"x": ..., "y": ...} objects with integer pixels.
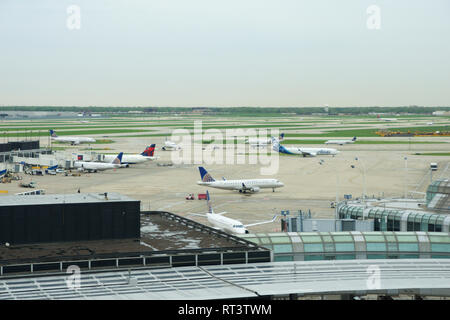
[{"x": 310, "y": 183}]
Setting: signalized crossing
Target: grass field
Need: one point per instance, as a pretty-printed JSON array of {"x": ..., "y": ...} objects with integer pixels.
[{"x": 443, "y": 154}]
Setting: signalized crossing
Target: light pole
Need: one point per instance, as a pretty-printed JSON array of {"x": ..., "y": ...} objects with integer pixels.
[
  {"x": 364, "y": 181},
  {"x": 406, "y": 177},
  {"x": 336, "y": 214}
]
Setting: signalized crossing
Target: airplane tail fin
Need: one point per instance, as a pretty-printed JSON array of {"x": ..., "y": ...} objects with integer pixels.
[
  {"x": 281, "y": 136},
  {"x": 354, "y": 139},
  {"x": 206, "y": 177},
  {"x": 2, "y": 172},
  {"x": 149, "y": 151},
  {"x": 53, "y": 133},
  {"x": 118, "y": 159}
]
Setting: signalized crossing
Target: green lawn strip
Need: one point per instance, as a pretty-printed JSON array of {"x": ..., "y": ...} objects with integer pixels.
[
  {"x": 296, "y": 141},
  {"x": 368, "y": 132},
  {"x": 69, "y": 133},
  {"x": 444, "y": 154}
]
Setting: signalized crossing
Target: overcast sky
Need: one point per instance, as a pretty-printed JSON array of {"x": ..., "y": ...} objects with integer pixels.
[{"x": 224, "y": 53}]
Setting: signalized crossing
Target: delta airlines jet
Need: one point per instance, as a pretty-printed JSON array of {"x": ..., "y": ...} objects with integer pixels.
[
  {"x": 243, "y": 185},
  {"x": 341, "y": 142},
  {"x": 227, "y": 224},
  {"x": 127, "y": 159},
  {"x": 2, "y": 173},
  {"x": 71, "y": 140},
  {"x": 312, "y": 152},
  {"x": 255, "y": 142},
  {"x": 99, "y": 166}
]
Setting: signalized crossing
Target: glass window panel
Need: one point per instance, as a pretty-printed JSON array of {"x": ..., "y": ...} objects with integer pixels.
[
  {"x": 254, "y": 240},
  {"x": 280, "y": 240},
  {"x": 433, "y": 219},
  {"x": 408, "y": 256},
  {"x": 374, "y": 238},
  {"x": 407, "y": 238},
  {"x": 376, "y": 246},
  {"x": 329, "y": 247},
  {"x": 408, "y": 247},
  {"x": 440, "y": 256},
  {"x": 440, "y": 247},
  {"x": 440, "y": 219},
  {"x": 444, "y": 238},
  {"x": 392, "y": 246},
  {"x": 265, "y": 240},
  {"x": 376, "y": 256},
  {"x": 311, "y": 239},
  {"x": 343, "y": 238},
  {"x": 309, "y": 257},
  {"x": 345, "y": 257},
  {"x": 282, "y": 248},
  {"x": 283, "y": 258},
  {"x": 344, "y": 247},
  {"x": 327, "y": 239},
  {"x": 317, "y": 247},
  {"x": 418, "y": 218}
]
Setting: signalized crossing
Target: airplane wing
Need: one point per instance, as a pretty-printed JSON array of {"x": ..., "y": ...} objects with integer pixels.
[
  {"x": 197, "y": 214},
  {"x": 262, "y": 222}
]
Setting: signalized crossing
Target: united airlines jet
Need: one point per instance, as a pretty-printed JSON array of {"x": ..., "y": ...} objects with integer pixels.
[
  {"x": 258, "y": 142},
  {"x": 99, "y": 166},
  {"x": 72, "y": 140},
  {"x": 341, "y": 142},
  {"x": 243, "y": 185},
  {"x": 227, "y": 224},
  {"x": 312, "y": 152}
]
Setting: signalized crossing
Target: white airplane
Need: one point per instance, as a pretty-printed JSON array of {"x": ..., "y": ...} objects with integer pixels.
[
  {"x": 128, "y": 159},
  {"x": 169, "y": 145},
  {"x": 98, "y": 166},
  {"x": 388, "y": 119},
  {"x": 72, "y": 140},
  {"x": 341, "y": 142},
  {"x": 243, "y": 185},
  {"x": 227, "y": 224},
  {"x": 312, "y": 152},
  {"x": 255, "y": 142}
]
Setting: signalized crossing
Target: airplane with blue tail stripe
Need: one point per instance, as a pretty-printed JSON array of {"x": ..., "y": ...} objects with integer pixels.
[
  {"x": 218, "y": 221},
  {"x": 242, "y": 185},
  {"x": 305, "y": 152}
]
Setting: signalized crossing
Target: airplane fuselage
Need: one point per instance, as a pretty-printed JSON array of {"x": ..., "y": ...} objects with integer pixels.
[
  {"x": 226, "y": 224},
  {"x": 74, "y": 140},
  {"x": 95, "y": 166},
  {"x": 339, "y": 142},
  {"x": 308, "y": 151},
  {"x": 128, "y": 158},
  {"x": 238, "y": 184}
]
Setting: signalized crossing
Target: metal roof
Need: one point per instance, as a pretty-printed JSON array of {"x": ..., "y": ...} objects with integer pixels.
[
  {"x": 15, "y": 200},
  {"x": 420, "y": 276}
]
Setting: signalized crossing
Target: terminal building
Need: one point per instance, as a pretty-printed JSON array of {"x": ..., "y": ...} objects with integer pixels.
[
  {"x": 125, "y": 253},
  {"x": 431, "y": 215}
]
